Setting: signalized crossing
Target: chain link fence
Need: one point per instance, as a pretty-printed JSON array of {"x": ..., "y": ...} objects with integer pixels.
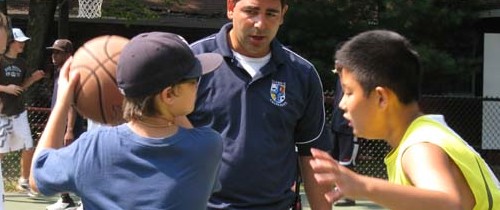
[{"x": 476, "y": 119}]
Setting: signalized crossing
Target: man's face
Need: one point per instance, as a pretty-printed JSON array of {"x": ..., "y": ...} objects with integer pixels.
[
  {"x": 360, "y": 110},
  {"x": 59, "y": 57},
  {"x": 255, "y": 24}
]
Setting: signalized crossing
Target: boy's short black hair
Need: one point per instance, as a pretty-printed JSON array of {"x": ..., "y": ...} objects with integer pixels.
[{"x": 383, "y": 58}]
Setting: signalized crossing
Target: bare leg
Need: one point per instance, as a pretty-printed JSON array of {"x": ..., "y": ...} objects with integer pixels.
[{"x": 26, "y": 156}]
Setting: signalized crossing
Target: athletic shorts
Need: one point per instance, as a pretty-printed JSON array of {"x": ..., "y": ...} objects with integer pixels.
[{"x": 15, "y": 133}]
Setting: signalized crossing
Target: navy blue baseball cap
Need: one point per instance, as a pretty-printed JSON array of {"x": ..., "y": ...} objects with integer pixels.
[{"x": 152, "y": 61}]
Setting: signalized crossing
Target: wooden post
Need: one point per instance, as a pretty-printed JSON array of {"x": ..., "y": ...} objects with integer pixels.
[{"x": 3, "y": 6}]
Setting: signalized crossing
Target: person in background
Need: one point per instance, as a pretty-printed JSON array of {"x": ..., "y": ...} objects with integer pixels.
[
  {"x": 4, "y": 32},
  {"x": 429, "y": 166},
  {"x": 15, "y": 79},
  {"x": 267, "y": 102},
  {"x": 62, "y": 49}
]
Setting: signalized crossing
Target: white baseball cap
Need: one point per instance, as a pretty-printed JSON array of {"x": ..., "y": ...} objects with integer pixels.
[{"x": 19, "y": 35}]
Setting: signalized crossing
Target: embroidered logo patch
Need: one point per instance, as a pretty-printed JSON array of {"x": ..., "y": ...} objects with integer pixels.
[{"x": 278, "y": 93}]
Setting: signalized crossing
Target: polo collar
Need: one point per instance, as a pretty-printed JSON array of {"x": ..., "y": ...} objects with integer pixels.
[{"x": 278, "y": 54}]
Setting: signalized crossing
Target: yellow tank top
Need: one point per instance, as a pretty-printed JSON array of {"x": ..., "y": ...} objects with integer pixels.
[{"x": 433, "y": 129}]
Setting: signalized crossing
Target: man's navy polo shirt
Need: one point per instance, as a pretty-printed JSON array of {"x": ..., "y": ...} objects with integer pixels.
[{"x": 261, "y": 121}]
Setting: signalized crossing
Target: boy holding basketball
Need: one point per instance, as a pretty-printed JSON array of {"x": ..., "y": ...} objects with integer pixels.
[
  {"x": 148, "y": 162},
  {"x": 430, "y": 166}
]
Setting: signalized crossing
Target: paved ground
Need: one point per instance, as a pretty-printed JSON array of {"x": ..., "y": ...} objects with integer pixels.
[{"x": 19, "y": 201}]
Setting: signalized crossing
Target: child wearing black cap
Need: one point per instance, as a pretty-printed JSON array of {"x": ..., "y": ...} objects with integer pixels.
[{"x": 149, "y": 162}]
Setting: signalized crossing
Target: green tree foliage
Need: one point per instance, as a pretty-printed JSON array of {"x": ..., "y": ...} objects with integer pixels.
[{"x": 441, "y": 30}]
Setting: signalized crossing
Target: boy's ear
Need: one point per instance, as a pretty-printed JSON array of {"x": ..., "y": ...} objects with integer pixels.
[
  {"x": 166, "y": 95},
  {"x": 383, "y": 96}
]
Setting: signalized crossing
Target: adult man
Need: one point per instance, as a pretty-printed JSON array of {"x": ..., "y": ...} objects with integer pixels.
[
  {"x": 265, "y": 100},
  {"x": 62, "y": 49}
]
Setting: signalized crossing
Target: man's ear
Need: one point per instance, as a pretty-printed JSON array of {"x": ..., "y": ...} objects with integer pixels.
[
  {"x": 283, "y": 12},
  {"x": 230, "y": 9}
]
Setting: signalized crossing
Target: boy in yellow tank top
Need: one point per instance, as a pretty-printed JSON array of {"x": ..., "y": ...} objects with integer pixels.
[{"x": 429, "y": 166}]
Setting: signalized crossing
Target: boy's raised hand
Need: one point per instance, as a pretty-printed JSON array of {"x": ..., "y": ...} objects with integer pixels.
[{"x": 328, "y": 171}]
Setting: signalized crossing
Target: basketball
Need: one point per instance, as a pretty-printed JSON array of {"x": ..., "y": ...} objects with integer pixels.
[{"x": 96, "y": 94}]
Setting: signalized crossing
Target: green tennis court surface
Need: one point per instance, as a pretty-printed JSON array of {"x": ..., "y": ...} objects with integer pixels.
[{"x": 20, "y": 201}]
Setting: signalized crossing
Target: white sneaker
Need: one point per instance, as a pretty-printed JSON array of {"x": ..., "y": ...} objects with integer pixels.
[
  {"x": 22, "y": 184},
  {"x": 60, "y": 205}
]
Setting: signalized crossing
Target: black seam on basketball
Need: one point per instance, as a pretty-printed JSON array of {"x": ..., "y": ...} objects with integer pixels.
[
  {"x": 98, "y": 81},
  {"x": 106, "y": 50},
  {"x": 113, "y": 79},
  {"x": 83, "y": 80},
  {"x": 102, "y": 66},
  {"x": 99, "y": 88},
  {"x": 111, "y": 57},
  {"x": 101, "y": 61},
  {"x": 109, "y": 73}
]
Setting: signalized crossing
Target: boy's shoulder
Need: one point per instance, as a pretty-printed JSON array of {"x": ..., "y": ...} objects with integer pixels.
[{"x": 205, "y": 131}]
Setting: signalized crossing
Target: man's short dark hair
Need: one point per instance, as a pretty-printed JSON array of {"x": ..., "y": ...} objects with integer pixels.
[
  {"x": 383, "y": 58},
  {"x": 283, "y": 2}
]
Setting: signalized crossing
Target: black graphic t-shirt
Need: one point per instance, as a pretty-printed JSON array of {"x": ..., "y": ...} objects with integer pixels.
[{"x": 13, "y": 71}]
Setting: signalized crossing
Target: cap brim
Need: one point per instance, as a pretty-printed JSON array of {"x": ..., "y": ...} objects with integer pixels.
[
  {"x": 54, "y": 48},
  {"x": 22, "y": 39},
  {"x": 209, "y": 62},
  {"x": 205, "y": 63}
]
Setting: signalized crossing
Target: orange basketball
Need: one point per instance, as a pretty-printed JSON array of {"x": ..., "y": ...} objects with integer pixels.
[{"x": 96, "y": 95}]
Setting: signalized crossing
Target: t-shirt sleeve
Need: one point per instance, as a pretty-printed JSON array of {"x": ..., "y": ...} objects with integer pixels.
[
  {"x": 311, "y": 131},
  {"x": 323, "y": 142},
  {"x": 54, "y": 170}
]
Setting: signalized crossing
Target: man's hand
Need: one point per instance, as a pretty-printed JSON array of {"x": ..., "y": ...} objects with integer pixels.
[
  {"x": 37, "y": 75},
  {"x": 69, "y": 137}
]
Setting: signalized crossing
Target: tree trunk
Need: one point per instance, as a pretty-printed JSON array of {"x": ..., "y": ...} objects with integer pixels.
[
  {"x": 63, "y": 23},
  {"x": 3, "y": 6},
  {"x": 41, "y": 17}
]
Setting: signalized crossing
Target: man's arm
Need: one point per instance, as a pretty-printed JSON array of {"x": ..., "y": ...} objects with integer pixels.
[
  {"x": 52, "y": 136},
  {"x": 315, "y": 192},
  {"x": 69, "y": 136}
]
